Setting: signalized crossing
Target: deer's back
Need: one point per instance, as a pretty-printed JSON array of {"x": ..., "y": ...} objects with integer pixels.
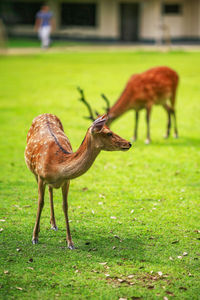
[
  {"x": 155, "y": 85},
  {"x": 47, "y": 145}
]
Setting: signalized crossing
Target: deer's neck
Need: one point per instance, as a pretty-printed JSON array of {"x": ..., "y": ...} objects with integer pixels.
[
  {"x": 80, "y": 161},
  {"x": 120, "y": 106}
]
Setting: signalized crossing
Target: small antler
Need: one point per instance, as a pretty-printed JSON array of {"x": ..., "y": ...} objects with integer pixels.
[
  {"x": 91, "y": 116},
  {"x": 107, "y": 103}
]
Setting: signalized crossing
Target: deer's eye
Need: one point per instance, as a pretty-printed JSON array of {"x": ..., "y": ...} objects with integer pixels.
[{"x": 109, "y": 134}]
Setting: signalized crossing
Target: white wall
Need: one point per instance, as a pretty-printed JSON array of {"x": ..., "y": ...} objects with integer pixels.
[{"x": 150, "y": 20}]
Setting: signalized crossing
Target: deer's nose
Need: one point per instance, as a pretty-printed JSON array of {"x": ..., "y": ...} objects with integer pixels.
[{"x": 130, "y": 145}]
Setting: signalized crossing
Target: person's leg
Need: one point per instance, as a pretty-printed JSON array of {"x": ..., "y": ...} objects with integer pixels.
[{"x": 46, "y": 36}]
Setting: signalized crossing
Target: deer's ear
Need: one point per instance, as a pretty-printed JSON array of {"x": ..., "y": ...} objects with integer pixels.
[{"x": 98, "y": 124}]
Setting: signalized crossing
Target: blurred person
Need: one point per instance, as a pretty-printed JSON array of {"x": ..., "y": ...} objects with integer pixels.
[{"x": 44, "y": 24}]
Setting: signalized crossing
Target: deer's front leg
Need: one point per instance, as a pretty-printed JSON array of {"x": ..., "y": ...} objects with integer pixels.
[
  {"x": 41, "y": 191},
  {"x": 65, "y": 190},
  {"x": 136, "y": 126},
  {"x": 52, "y": 220},
  {"x": 148, "y": 113}
]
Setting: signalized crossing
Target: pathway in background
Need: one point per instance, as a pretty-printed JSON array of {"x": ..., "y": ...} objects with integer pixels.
[{"x": 88, "y": 48}]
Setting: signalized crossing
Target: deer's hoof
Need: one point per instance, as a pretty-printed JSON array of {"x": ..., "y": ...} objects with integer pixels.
[
  {"x": 35, "y": 241},
  {"x": 133, "y": 139},
  {"x": 176, "y": 136},
  {"x": 71, "y": 247},
  {"x": 55, "y": 228},
  {"x": 147, "y": 141}
]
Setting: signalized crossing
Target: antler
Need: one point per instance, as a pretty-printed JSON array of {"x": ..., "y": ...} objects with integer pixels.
[
  {"x": 107, "y": 103},
  {"x": 91, "y": 116}
]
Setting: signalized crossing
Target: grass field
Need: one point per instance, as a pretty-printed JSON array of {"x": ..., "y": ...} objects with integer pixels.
[{"x": 150, "y": 249}]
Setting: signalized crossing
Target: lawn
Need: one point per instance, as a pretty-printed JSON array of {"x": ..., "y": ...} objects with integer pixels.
[{"x": 134, "y": 216}]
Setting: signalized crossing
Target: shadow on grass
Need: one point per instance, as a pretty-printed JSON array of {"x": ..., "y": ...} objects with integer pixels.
[{"x": 102, "y": 246}]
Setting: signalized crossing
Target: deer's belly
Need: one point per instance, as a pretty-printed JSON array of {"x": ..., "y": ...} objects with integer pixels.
[{"x": 56, "y": 184}]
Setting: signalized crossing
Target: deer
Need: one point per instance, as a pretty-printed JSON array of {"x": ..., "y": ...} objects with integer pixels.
[
  {"x": 50, "y": 158},
  {"x": 156, "y": 86}
]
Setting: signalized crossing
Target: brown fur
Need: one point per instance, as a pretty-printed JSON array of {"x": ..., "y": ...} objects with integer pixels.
[
  {"x": 50, "y": 158},
  {"x": 153, "y": 87}
]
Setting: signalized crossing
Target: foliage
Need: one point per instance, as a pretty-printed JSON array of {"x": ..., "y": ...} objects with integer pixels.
[{"x": 151, "y": 192}]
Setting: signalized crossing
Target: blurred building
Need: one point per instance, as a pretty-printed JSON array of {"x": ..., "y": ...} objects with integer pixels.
[{"x": 117, "y": 20}]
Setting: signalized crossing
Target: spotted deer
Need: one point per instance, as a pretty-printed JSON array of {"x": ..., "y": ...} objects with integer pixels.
[
  {"x": 156, "y": 86},
  {"x": 50, "y": 158}
]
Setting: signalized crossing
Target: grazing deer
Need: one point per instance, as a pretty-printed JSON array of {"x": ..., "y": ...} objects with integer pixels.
[
  {"x": 154, "y": 86},
  {"x": 50, "y": 158}
]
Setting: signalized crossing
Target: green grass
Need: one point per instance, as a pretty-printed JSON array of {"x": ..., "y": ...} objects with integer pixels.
[{"x": 160, "y": 182}]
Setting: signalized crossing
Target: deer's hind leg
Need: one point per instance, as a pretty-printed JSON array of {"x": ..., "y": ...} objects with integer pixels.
[
  {"x": 52, "y": 220},
  {"x": 169, "y": 111},
  {"x": 65, "y": 189},
  {"x": 41, "y": 191}
]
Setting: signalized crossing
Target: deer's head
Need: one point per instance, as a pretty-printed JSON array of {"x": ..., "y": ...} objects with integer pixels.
[{"x": 105, "y": 139}]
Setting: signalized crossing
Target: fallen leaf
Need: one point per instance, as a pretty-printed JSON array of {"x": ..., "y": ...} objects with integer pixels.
[
  {"x": 26, "y": 206},
  {"x": 117, "y": 237},
  {"x": 102, "y": 196},
  {"x": 17, "y": 206},
  {"x": 2, "y": 220},
  {"x": 19, "y": 288},
  {"x": 18, "y": 249},
  {"x": 170, "y": 258},
  {"x": 103, "y": 263},
  {"x": 130, "y": 276},
  {"x": 6, "y": 272},
  {"x": 150, "y": 287},
  {"x": 169, "y": 293},
  {"x": 113, "y": 217},
  {"x": 197, "y": 231},
  {"x": 113, "y": 247},
  {"x": 92, "y": 211},
  {"x": 132, "y": 211},
  {"x": 160, "y": 273},
  {"x": 165, "y": 298},
  {"x": 107, "y": 275},
  {"x": 122, "y": 298},
  {"x": 85, "y": 189},
  {"x": 175, "y": 242},
  {"x": 100, "y": 203},
  {"x": 121, "y": 280},
  {"x": 183, "y": 288},
  {"x": 77, "y": 271},
  {"x": 30, "y": 268},
  {"x": 1, "y": 229},
  {"x": 179, "y": 257},
  {"x": 185, "y": 253}
]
